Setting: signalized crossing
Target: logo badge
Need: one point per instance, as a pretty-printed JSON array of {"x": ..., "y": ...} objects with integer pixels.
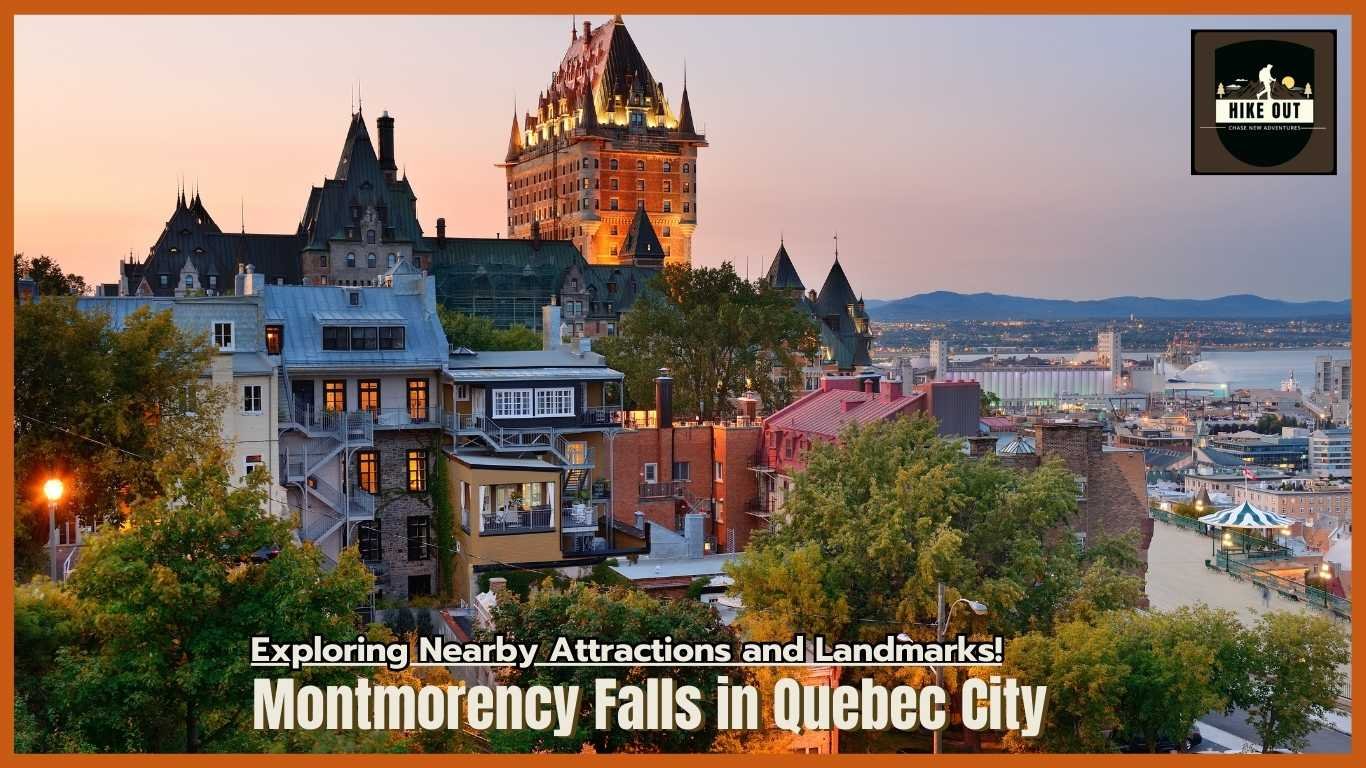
[{"x": 1263, "y": 102}]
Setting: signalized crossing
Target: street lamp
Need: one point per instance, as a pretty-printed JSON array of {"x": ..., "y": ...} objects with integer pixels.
[
  {"x": 941, "y": 628},
  {"x": 1325, "y": 576},
  {"x": 53, "y": 489}
]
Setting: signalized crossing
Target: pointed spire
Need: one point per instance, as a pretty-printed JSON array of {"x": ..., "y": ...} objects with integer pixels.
[
  {"x": 781, "y": 272},
  {"x": 685, "y": 124},
  {"x": 514, "y": 140}
]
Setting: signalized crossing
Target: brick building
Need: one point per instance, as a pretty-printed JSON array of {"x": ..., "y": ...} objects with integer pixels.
[
  {"x": 1111, "y": 481},
  {"x": 603, "y": 143}
]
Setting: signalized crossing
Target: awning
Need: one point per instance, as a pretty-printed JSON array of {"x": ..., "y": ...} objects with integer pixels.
[{"x": 1246, "y": 516}]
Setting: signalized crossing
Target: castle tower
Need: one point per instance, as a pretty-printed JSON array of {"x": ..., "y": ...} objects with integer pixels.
[{"x": 603, "y": 142}]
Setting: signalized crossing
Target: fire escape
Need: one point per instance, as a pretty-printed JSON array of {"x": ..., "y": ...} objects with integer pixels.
[{"x": 329, "y": 441}]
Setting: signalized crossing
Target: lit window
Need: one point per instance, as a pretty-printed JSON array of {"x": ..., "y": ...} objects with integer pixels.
[
  {"x": 275, "y": 339},
  {"x": 222, "y": 336},
  {"x": 334, "y": 395},
  {"x": 417, "y": 470},
  {"x": 367, "y": 394},
  {"x": 367, "y": 471},
  {"x": 417, "y": 399},
  {"x": 251, "y": 398}
]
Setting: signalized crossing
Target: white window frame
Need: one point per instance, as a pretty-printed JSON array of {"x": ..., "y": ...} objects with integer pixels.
[
  {"x": 247, "y": 398},
  {"x": 555, "y": 402},
  {"x": 651, "y": 472},
  {"x": 231, "y": 337},
  {"x": 719, "y": 471},
  {"x": 522, "y": 398},
  {"x": 462, "y": 392}
]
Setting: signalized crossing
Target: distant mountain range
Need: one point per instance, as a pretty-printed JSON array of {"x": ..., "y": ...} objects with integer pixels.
[{"x": 948, "y": 305}]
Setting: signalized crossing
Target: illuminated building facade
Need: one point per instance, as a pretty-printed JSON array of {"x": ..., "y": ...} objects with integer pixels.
[{"x": 604, "y": 142}]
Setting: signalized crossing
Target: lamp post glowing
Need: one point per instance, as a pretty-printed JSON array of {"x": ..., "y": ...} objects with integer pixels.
[
  {"x": 941, "y": 628},
  {"x": 53, "y": 489}
]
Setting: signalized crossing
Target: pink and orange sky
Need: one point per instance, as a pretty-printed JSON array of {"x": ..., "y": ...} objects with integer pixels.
[{"x": 1035, "y": 156}]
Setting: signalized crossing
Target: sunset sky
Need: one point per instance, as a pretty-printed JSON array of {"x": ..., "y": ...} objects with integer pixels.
[{"x": 1036, "y": 156}]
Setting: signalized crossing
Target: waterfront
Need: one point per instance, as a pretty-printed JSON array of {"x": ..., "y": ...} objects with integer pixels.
[{"x": 1256, "y": 369}]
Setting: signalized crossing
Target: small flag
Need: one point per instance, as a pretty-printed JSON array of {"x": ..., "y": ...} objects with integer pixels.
[{"x": 1247, "y": 472}]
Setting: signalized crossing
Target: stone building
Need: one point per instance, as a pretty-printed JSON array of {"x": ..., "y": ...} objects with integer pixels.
[{"x": 603, "y": 143}]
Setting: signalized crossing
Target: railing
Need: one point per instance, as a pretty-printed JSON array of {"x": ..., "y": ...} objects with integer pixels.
[
  {"x": 761, "y": 507},
  {"x": 326, "y": 521},
  {"x": 660, "y": 490},
  {"x": 579, "y": 517},
  {"x": 1295, "y": 590},
  {"x": 360, "y": 505},
  {"x": 517, "y": 520},
  {"x": 602, "y": 416},
  {"x": 1250, "y": 546},
  {"x": 404, "y": 418}
]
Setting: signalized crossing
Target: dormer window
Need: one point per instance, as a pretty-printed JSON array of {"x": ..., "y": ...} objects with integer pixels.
[
  {"x": 222, "y": 335},
  {"x": 353, "y": 298}
]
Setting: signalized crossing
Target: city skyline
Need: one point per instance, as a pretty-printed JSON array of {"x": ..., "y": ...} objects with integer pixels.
[{"x": 927, "y": 191}]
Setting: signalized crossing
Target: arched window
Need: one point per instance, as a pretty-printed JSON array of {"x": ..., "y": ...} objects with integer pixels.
[
  {"x": 370, "y": 260},
  {"x": 370, "y": 236},
  {"x": 685, "y": 167},
  {"x": 612, "y": 164},
  {"x": 350, "y": 259},
  {"x": 640, "y": 165},
  {"x": 393, "y": 259},
  {"x": 668, "y": 166}
]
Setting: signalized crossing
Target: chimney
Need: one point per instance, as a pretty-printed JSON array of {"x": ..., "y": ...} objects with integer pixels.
[
  {"x": 386, "y": 146},
  {"x": 441, "y": 230},
  {"x": 664, "y": 399},
  {"x": 891, "y": 390},
  {"x": 239, "y": 281},
  {"x": 254, "y": 283},
  {"x": 550, "y": 324}
]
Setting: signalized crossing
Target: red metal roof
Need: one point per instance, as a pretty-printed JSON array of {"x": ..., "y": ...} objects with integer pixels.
[{"x": 826, "y": 412}]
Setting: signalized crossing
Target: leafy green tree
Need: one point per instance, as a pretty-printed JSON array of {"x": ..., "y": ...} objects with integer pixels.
[
  {"x": 98, "y": 407},
  {"x": 616, "y": 614},
  {"x": 481, "y": 335},
  {"x": 443, "y": 519},
  {"x": 717, "y": 333},
  {"x": 1081, "y": 665},
  {"x": 169, "y": 601},
  {"x": 48, "y": 274},
  {"x": 1294, "y": 663},
  {"x": 877, "y": 520}
]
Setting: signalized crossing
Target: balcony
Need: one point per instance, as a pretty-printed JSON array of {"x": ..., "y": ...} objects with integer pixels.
[
  {"x": 579, "y": 518},
  {"x": 658, "y": 491},
  {"x": 516, "y": 520},
  {"x": 411, "y": 417},
  {"x": 761, "y": 507},
  {"x": 604, "y": 416}
]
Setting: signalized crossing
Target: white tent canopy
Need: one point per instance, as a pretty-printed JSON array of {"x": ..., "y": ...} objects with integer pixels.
[{"x": 1246, "y": 516}]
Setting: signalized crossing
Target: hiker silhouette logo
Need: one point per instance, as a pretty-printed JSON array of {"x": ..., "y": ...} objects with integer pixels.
[{"x": 1263, "y": 102}]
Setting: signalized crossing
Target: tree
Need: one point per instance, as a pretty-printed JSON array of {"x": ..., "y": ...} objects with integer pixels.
[
  {"x": 718, "y": 334},
  {"x": 990, "y": 403},
  {"x": 99, "y": 407},
  {"x": 443, "y": 519},
  {"x": 876, "y": 520},
  {"x": 168, "y": 601},
  {"x": 48, "y": 275},
  {"x": 1129, "y": 677},
  {"x": 613, "y": 614},
  {"x": 1294, "y": 662},
  {"x": 481, "y": 335}
]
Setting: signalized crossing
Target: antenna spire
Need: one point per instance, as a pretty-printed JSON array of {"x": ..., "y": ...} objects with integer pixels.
[{"x": 837, "y": 247}]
